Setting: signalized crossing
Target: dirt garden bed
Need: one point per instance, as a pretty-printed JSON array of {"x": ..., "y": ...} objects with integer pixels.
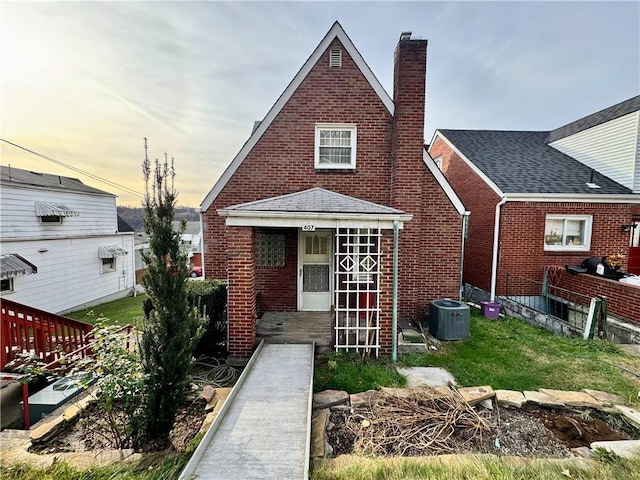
[{"x": 432, "y": 428}]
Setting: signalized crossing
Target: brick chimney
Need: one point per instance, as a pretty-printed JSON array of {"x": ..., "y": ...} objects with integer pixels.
[{"x": 410, "y": 67}]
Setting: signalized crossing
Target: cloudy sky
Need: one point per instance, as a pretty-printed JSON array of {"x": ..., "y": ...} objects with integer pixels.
[{"x": 85, "y": 82}]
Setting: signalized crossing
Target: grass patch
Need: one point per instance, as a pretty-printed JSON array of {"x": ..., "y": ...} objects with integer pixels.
[
  {"x": 161, "y": 466},
  {"x": 506, "y": 354},
  {"x": 354, "y": 374},
  {"x": 127, "y": 310},
  {"x": 454, "y": 467},
  {"x": 511, "y": 354}
]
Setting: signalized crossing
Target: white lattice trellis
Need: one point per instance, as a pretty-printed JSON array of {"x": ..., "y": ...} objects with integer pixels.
[{"x": 357, "y": 292}]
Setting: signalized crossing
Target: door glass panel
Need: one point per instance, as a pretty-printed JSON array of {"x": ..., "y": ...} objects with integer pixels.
[{"x": 315, "y": 278}]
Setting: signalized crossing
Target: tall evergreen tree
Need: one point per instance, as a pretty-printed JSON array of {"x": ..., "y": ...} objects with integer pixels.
[{"x": 172, "y": 330}]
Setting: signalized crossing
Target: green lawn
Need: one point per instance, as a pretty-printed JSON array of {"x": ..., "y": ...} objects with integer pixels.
[
  {"x": 127, "y": 310},
  {"x": 504, "y": 353}
]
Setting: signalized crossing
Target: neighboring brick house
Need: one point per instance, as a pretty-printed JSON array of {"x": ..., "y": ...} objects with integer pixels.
[
  {"x": 307, "y": 214},
  {"x": 548, "y": 198}
]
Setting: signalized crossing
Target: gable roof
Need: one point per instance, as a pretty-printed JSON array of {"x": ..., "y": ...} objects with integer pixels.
[
  {"x": 316, "y": 207},
  {"x": 317, "y": 200},
  {"x": 336, "y": 31},
  {"x": 19, "y": 177},
  {"x": 606, "y": 115},
  {"x": 521, "y": 162}
]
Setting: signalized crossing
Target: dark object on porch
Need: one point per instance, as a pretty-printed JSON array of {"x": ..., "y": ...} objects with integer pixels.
[
  {"x": 590, "y": 266},
  {"x": 449, "y": 319}
]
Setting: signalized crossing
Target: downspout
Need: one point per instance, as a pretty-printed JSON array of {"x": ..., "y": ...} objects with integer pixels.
[
  {"x": 465, "y": 224},
  {"x": 496, "y": 234},
  {"x": 394, "y": 300}
]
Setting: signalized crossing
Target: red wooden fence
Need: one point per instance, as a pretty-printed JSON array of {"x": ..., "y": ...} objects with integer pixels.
[{"x": 47, "y": 335}]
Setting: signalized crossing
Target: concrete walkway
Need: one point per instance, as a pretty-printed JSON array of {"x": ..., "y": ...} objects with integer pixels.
[{"x": 263, "y": 430}]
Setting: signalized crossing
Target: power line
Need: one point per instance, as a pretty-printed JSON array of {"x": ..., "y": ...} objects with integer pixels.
[{"x": 75, "y": 169}]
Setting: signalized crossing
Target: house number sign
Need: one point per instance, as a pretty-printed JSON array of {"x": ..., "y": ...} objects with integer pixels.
[{"x": 308, "y": 228}]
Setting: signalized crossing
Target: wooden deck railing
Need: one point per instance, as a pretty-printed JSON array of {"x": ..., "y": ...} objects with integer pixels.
[{"x": 47, "y": 335}]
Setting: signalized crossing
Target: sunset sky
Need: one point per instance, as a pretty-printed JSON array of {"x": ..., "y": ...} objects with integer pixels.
[{"x": 85, "y": 82}]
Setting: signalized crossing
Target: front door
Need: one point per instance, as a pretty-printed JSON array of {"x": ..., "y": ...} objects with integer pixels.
[
  {"x": 315, "y": 271},
  {"x": 633, "y": 265}
]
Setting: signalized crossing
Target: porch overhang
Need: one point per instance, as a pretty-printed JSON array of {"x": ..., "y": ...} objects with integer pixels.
[{"x": 316, "y": 208}]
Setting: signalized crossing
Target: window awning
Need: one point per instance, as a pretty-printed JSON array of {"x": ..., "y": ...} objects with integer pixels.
[
  {"x": 111, "y": 251},
  {"x": 13, "y": 265},
  {"x": 50, "y": 209}
]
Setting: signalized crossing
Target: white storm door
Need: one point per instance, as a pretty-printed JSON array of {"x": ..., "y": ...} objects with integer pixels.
[{"x": 315, "y": 272}]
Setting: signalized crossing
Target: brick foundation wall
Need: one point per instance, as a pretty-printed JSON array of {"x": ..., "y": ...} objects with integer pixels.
[
  {"x": 623, "y": 299},
  {"x": 521, "y": 250}
]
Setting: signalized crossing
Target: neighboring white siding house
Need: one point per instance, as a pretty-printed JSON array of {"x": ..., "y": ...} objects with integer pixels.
[
  {"x": 607, "y": 141},
  {"x": 65, "y": 233}
]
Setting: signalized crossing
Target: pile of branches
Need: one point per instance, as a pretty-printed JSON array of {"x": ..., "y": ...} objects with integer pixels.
[{"x": 423, "y": 421}]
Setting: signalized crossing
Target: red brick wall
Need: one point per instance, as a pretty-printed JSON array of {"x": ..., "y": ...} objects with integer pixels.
[
  {"x": 242, "y": 292},
  {"x": 283, "y": 162},
  {"x": 277, "y": 287},
  {"x": 481, "y": 201},
  {"x": 623, "y": 300},
  {"x": 522, "y": 236}
]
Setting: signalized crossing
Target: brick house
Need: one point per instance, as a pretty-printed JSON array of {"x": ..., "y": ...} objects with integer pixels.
[
  {"x": 334, "y": 178},
  {"x": 546, "y": 198}
]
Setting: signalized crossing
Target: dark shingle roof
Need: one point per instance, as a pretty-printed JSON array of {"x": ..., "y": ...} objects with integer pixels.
[
  {"x": 611, "y": 113},
  {"x": 521, "y": 162},
  {"x": 18, "y": 176},
  {"x": 123, "y": 226}
]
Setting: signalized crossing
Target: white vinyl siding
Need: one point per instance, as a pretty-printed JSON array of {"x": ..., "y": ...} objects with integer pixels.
[
  {"x": 96, "y": 214},
  {"x": 610, "y": 148},
  {"x": 70, "y": 271},
  {"x": 567, "y": 232},
  {"x": 335, "y": 146}
]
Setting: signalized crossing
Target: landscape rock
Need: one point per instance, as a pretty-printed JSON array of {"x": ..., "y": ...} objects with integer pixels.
[
  {"x": 219, "y": 398},
  {"x": 71, "y": 413},
  {"x": 364, "y": 399},
  {"x": 543, "y": 399},
  {"x": 510, "y": 398},
  {"x": 427, "y": 376},
  {"x": 582, "y": 452},
  {"x": 319, "y": 440},
  {"x": 474, "y": 395},
  {"x": 573, "y": 399},
  {"x": 329, "y": 398},
  {"x": 207, "y": 393},
  {"x": 630, "y": 414},
  {"x": 46, "y": 430},
  {"x": 622, "y": 448},
  {"x": 606, "y": 399}
]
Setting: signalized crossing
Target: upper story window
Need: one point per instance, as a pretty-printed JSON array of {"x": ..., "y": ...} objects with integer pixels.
[
  {"x": 438, "y": 162},
  {"x": 54, "y": 213},
  {"x": 567, "y": 232},
  {"x": 335, "y": 146}
]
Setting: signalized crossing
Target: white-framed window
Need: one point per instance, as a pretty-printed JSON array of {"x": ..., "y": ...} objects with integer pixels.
[
  {"x": 108, "y": 264},
  {"x": 6, "y": 285},
  {"x": 567, "y": 232},
  {"x": 335, "y": 146},
  {"x": 438, "y": 162}
]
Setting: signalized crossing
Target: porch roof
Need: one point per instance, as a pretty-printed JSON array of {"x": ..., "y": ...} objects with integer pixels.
[{"x": 317, "y": 206}]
